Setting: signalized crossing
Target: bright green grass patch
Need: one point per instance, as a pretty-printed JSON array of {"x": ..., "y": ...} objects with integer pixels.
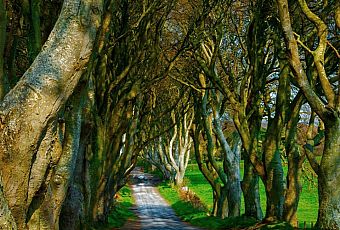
[
  {"x": 121, "y": 212},
  {"x": 308, "y": 205},
  {"x": 198, "y": 217}
]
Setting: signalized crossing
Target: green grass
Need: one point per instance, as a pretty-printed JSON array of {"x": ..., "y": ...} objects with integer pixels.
[
  {"x": 197, "y": 217},
  {"x": 307, "y": 210},
  {"x": 121, "y": 212},
  {"x": 308, "y": 205}
]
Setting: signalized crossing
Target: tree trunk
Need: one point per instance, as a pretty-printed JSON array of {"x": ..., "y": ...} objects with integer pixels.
[
  {"x": 179, "y": 177},
  {"x": 98, "y": 164},
  {"x": 6, "y": 218},
  {"x": 231, "y": 165},
  {"x": 329, "y": 178},
  {"x": 295, "y": 160},
  {"x": 271, "y": 146},
  {"x": 74, "y": 209},
  {"x": 47, "y": 215},
  {"x": 274, "y": 188},
  {"x": 292, "y": 193},
  {"x": 3, "y": 23},
  {"x": 34, "y": 102},
  {"x": 250, "y": 188},
  {"x": 222, "y": 203}
]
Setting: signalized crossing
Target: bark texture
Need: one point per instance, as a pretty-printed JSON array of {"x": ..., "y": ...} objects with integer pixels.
[
  {"x": 3, "y": 23},
  {"x": 328, "y": 111},
  {"x": 250, "y": 189},
  {"x": 328, "y": 178},
  {"x": 33, "y": 103}
]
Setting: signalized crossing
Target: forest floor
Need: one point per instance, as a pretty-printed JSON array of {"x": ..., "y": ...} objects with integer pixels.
[{"x": 152, "y": 210}]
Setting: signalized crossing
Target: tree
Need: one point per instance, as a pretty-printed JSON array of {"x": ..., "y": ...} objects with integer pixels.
[
  {"x": 326, "y": 108},
  {"x": 29, "y": 108},
  {"x": 172, "y": 150},
  {"x": 224, "y": 179},
  {"x": 2, "y": 47}
]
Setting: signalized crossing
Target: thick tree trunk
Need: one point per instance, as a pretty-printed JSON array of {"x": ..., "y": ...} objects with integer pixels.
[
  {"x": 292, "y": 193},
  {"x": 72, "y": 215},
  {"x": 231, "y": 165},
  {"x": 28, "y": 108},
  {"x": 329, "y": 178},
  {"x": 6, "y": 218},
  {"x": 179, "y": 177},
  {"x": 295, "y": 160},
  {"x": 250, "y": 188},
  {"x": 47, "y": 157},
  {"x": 222, "y": 203},
  {"x": 274, "y": 188},
  {"x": 3, "y": 22},
  {"x": 47, "y": 215}
]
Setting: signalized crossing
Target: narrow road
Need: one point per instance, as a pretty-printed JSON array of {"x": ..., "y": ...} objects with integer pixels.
[{"x": 152, "y": 209}]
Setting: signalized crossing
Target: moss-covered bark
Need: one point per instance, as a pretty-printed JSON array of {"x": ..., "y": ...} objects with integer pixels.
[
  {"x": 29, "y": 108},
  {"x": 3, "y": 24}
]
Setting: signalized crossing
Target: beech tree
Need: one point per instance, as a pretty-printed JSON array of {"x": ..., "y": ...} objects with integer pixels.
[
  {"x": 326, "y": 108},
  {"x": 32, "y": 105},
  {"x": 224, "y": 179},
  {"x": 171, "y": 151}
]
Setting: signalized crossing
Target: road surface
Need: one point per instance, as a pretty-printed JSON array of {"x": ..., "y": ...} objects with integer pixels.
[{"x": 152, "y": 209}]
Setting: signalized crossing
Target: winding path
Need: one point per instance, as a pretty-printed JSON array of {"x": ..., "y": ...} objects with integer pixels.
[{"x": 152, "y": 209}]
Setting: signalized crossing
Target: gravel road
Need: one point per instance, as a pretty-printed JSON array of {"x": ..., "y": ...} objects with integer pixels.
[{"x": 152, "y": 209}]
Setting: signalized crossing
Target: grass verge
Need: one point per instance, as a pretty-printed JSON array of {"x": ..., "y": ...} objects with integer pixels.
[
  {"x": 121, "y": 212},
  {"x": 308, "y": 204},
  {"x": 200, "y": 217}
]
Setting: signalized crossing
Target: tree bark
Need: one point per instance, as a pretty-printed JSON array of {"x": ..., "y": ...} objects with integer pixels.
[
  {"x": 295, "y": 160},
  {"x": 3, "y": 23},
  {"x": 222, "y": 204},
  {"x": 6, "y": 218},
  {"x": 328, "y": 178},
  {"x": 231, "y": 165},
  {"x": 34, "y": 102},
  {"x": 47, "y": 215},
  {"x": 250, "y": 188},
  {"x": 75, "y": 206},
  {"x": 328, "y": 173}
]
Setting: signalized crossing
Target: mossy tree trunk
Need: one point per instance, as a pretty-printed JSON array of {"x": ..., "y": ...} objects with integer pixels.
[
  {"x": 326, "y": 108},
  {"x": 328, "y": 177},
  {"x": 295, "y": 160},
  {"x": 3, "y": 24},
  {"x": 46, "y": 216},
  {"x": 250, "y": 188},
  {"x": 33, "y": 104},
  {"x": 225, "y": 180}
]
